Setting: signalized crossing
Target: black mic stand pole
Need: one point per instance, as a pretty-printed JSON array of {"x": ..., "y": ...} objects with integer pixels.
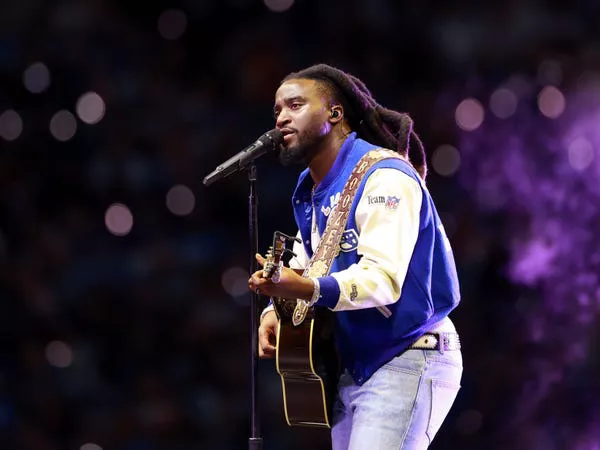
[{"x": 255, "y": 441}]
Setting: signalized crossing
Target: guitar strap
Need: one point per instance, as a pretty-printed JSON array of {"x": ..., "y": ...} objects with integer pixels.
[{"x": 329, "y": 246}]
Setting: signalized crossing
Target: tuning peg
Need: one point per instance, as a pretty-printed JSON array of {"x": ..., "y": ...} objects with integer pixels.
[{"x": 287, "y": 250}]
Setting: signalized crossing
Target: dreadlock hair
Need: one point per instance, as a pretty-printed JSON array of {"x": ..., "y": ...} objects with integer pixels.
[{"x": 374, "y": 123}]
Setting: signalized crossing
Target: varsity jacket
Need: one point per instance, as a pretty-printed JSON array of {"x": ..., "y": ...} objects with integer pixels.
[{"x": 395, "y": 276}]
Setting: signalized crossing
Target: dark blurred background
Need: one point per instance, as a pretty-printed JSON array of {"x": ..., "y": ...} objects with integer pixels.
[{"x": 124, "y": 314}]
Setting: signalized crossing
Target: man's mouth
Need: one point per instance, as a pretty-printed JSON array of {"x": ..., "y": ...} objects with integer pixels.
[{"x": 287, "y": 134}]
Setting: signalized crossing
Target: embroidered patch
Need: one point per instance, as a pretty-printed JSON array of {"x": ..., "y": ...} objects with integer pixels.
[
  {"x": 375, "y": 199},
  {"x": 333, "y": 201},
  {"x": 354, "y": 292},
  {"x": 349, "y": 241},
  {"x": 392, "y": 202}
]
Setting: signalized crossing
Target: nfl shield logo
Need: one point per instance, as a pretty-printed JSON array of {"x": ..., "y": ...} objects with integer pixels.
[
  {"x": 392, "y": 202},
  {"x": 349, "y": 241}
]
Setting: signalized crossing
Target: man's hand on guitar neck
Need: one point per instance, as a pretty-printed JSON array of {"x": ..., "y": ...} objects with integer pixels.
[{"x": 290, "y": 285}]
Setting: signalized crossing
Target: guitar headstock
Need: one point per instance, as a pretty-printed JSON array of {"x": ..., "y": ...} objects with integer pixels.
[{"x": 275, "y": 252}]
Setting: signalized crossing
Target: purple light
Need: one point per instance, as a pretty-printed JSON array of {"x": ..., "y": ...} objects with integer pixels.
[
  {"x": 551, "y": 102},
  {"x": 63, "y": 126},
  {"x": 503, "y": 103},
  {"x": 36, "y": 78},
  {"x": 59, "y": 354},
  {"x": 90, "y": 108},
  {"x": 445, "y": 160},
  {"x": 542, "y": 177},
  {"x": 469, "y": 114},
  {"x": 118, "y": 219},
  {"x": 581, "y": 154},
  {"x": 180, "y": 200},
  {"x": 11, "y": 125}
]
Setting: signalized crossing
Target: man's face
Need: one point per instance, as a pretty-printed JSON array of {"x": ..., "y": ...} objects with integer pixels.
[{"x": 302, "y": 114}]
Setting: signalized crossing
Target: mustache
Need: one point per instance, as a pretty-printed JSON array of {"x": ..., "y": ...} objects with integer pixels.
[{"x": 288, "y": 130}]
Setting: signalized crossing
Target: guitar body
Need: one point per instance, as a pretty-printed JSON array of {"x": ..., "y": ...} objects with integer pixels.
[{"x": 308, "y": 364}]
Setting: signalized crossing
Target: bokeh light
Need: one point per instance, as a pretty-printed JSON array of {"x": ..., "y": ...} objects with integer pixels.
[
  {"x": 551, "y": 102},
  {"x": 180, "y": 200},
  {"x": 279, "y": 5},
  {"x": 59, "y": 354},
  {"x": 90, "y": 446},
  {"x": 36, "y": 78},
  {"x": 521, "y": 85},
  {"x": 581, "y": 154},
  {"x": 235, "y": 282},
  {"x": 172, "y": 23},
  {"x": 90, "y": 108},
  {"x": 445, "y": 160},
  {"x": 118, "y": 219},
  {"x": 63, "y": 125},
  {"x": 469, "y": 114},
  {"x": 503, "y": 103},
  {"x": 11, "y": 125}
]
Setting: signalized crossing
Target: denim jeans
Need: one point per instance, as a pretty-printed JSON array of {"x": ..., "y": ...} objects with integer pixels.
[{"x": 402, "y": 406}]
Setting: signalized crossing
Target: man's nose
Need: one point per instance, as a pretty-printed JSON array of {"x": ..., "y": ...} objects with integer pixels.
[{"x": 282, "y": 120}]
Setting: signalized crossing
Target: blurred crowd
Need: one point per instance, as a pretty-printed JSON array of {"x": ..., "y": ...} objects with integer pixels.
[{"x": 141, "y": 341}]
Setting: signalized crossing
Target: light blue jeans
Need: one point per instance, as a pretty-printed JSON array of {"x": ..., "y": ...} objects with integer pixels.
[{"x": 402, "y": 406}]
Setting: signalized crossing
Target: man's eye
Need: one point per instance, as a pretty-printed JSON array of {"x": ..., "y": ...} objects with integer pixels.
[{"x": 295, "y": 105}]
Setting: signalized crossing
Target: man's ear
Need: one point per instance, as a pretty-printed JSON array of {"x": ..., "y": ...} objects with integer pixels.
[{"x": 336, "y": 114}]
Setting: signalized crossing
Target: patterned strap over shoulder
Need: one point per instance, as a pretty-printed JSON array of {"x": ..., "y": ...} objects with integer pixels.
[{"x": 328, "y": 248}]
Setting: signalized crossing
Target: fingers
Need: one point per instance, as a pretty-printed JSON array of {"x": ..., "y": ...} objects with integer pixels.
[
  {"x": 265, "y": 348},
  {"x": 267, "y": 352},
  {"x": 260, "y": 259},
  {"x": 257, "y": 283}
]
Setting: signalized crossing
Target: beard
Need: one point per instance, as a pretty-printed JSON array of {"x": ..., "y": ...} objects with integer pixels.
[
  {"x": 290, "y": 156},
  {"x": 303, "y": 151}
]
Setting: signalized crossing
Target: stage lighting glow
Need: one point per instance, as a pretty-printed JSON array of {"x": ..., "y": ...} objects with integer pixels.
[
  {"x": 90, "y": 108},
  {"x": 445, "y": 160},
  {"x": 59, "y": 354},
  {"x": 36, "y": 78},
  {"x": 279, "y": 5},
  {"x": 63, "y": 125},
  {"x": 581, "y": 154},
  {"x": 503, "y": 103},
  {"x": 551, "y": 102},
  {"x": 181, "y": 200},
  {"x": 90, "y": 446},
  {"x": 11, "y": 125},
  {"x": 235, "y": 283},
  {"x": 172, "y": 23},
  {"x": 118, "y": 219},
  {"x": 469, "y": 114}
]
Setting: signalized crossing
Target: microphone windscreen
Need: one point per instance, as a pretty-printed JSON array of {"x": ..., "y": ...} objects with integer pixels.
[{"x": 276, "y": 137}]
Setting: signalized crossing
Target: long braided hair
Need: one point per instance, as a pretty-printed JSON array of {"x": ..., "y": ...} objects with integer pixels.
[{"x": 372, "y": 122}]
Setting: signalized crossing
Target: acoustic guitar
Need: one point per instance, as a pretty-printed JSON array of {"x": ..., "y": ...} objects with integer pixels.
[{"x": 306, "y": 357}]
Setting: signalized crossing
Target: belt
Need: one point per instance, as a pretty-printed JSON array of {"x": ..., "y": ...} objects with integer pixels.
[{"x": 444, "y": 342}]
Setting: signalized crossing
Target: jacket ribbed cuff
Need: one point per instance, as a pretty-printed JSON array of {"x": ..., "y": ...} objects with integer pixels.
[{"x": 330, "y": 292}]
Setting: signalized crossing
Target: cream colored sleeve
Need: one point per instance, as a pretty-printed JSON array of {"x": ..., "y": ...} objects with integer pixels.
[{"x": 388, "y": 218}]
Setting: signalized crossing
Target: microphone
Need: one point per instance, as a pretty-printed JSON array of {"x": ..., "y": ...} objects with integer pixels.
[{"x": 267, "y": 142}]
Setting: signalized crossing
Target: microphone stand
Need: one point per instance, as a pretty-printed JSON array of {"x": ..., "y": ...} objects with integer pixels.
[{"x": 255, "y": 441}]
